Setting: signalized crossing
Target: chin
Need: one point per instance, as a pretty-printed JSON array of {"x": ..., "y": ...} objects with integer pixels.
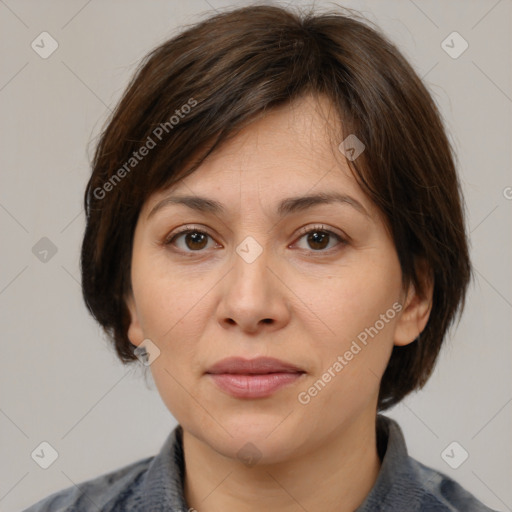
[{"x": 251, "y": 436}]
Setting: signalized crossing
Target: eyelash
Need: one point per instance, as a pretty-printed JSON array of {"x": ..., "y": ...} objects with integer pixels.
[{"x": 304, "y": 231}]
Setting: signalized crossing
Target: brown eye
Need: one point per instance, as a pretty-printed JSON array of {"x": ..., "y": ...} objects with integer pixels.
[
  {"x": 318, "y": 238},
  {"x": 194, "y": 240}
]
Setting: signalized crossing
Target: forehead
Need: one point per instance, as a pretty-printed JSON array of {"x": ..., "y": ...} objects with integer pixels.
[{"x": 290, "y": 151}]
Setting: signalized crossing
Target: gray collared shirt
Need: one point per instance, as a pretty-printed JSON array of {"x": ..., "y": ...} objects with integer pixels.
[{"x": 155, "y": 484}]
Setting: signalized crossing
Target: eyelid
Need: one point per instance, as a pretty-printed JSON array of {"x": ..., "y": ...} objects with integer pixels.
[
  {"x": 322, "y": 227},
  {"x": 302, "y": 231},
  {"x": 184, "y": 229}
]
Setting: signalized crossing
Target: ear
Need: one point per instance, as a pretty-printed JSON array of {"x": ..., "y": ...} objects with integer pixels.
[
  {"x": 417, "y": 307},
  {"x": 135, "y": 333}
]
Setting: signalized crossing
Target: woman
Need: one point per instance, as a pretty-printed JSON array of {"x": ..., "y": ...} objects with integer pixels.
[{"x": 275, "y": 229}]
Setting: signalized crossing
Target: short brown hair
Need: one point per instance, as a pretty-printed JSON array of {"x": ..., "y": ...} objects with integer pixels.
[{"x": 233, "y": 67}]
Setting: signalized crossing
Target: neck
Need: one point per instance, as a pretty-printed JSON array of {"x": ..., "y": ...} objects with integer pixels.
[{"x": 336, "y": 475}]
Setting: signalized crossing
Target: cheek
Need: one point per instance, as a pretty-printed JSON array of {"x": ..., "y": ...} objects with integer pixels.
[
  {"x": 166, "y": 299},
  {"x": 172, "y": 315},
  {"x": 356, "y": 298},
  {"x": 358, "y": 310}
]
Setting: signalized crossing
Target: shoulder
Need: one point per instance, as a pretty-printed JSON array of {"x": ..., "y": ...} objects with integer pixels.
[
  {"x": 440, "y": 493},
  {"x": 120, "y": 489},
  {"x": 405, "y": 484}
]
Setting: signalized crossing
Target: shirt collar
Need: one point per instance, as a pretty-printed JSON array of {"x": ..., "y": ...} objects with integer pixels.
[
  {"x": 397, "y": 481},
  {"x": 164, "y": 482}
]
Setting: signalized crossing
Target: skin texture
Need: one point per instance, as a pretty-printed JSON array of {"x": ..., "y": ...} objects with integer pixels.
[{"x": 199, "y": 301}]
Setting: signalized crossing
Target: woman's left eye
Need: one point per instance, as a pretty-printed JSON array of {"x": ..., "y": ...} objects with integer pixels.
[{"x": 317, "y": 237}]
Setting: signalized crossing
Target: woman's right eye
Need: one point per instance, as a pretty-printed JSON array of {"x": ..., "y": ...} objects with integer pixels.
[{"x": 193, "y": 239}]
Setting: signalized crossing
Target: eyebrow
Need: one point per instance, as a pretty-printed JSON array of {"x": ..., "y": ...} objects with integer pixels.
[{"x": 286, "y": 206}]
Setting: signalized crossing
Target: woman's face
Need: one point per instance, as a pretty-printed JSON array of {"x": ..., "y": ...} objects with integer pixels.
[{"x": 315, "y": 285}]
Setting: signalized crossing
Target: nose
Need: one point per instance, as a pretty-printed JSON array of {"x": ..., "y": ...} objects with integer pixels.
[{"x": 253, "y": 296}]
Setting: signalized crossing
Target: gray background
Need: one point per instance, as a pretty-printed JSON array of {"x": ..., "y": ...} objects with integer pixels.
[{"x": 61, "y": 382}]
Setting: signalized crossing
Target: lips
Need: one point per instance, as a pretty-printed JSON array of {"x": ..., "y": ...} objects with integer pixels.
[
  {"x": 260, "y": 365},
  {"x": 253, "y": 378}
]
